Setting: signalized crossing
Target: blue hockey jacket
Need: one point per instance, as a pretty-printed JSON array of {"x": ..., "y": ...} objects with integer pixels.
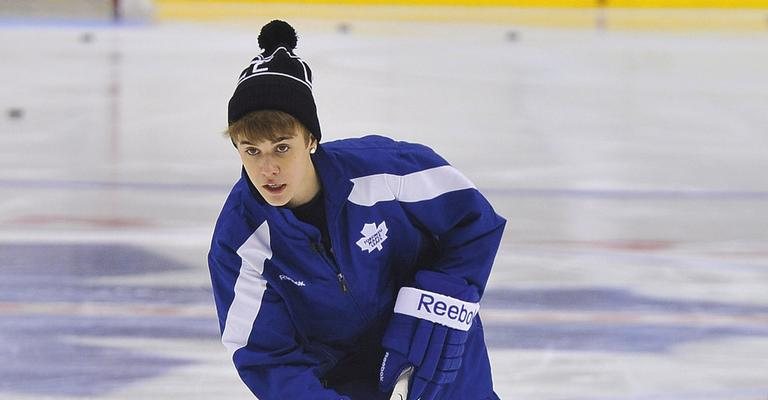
[{"x": 300, "y": 322}]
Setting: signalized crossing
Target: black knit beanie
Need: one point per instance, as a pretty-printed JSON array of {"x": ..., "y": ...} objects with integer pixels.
[{"x": 276, "y": 80}]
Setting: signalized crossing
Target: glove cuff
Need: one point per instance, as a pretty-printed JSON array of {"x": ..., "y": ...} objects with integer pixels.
[{"x": 436, "y": 307}]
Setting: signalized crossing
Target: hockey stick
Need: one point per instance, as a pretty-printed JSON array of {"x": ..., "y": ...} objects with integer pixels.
[{"x": 400, "y": 392}]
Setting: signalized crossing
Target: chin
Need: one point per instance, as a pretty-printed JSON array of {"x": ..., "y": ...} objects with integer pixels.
[
  {"x": 273, "y": 201},
  {"x": 276, "y": 203}
]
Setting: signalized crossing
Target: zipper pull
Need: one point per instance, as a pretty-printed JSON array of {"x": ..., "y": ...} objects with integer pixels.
[{"x": 343, "y": 283}]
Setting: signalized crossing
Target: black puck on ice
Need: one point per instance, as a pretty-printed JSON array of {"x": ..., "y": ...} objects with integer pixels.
[
  {"x": 15, "y": 113},
  {"x": 343, "y": 28},
  {"x": 513, "y": 36},
  {"x": 87, "y": 37}
]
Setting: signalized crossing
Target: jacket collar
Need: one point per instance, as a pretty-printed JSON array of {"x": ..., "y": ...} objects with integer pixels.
[{"x": 336, "y": 184}]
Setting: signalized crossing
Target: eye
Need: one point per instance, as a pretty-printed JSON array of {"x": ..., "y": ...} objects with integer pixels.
[
  {"x": 282, "y": 148},
  {"x": 252, "y": 151}
]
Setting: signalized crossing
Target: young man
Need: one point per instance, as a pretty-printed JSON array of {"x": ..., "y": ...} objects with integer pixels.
[{"x": 338, "y": 267}]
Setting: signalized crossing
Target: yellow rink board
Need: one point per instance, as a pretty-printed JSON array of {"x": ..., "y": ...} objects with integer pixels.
[
  {"x": 532, "y": 13},
  {"x": 511, "y": 3}
]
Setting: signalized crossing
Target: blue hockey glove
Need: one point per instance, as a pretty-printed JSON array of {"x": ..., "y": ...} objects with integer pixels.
[{"x": 428, "y": 331}]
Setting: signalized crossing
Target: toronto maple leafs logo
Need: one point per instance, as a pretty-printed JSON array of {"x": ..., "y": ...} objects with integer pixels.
[{"x": 373, "y": 236}]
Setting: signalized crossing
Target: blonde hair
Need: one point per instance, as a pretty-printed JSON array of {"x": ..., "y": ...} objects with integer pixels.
[{"x": 266, "y": 125}]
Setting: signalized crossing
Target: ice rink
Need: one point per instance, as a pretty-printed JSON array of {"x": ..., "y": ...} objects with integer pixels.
[{"x": 631, "y": 165}]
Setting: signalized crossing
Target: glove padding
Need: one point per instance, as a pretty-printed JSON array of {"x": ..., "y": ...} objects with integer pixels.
[{"x": 434, "y": 350}]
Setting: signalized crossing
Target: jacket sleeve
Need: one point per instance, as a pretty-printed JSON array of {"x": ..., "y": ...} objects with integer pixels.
[
  {"x": 258, "y": 332},
  {"x": 442, "y": 201}
]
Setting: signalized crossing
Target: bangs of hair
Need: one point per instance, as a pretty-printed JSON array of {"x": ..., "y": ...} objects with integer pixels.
[{"x": 266, "y": 125}]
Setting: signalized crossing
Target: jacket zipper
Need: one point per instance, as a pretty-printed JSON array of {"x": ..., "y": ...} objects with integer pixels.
[
  {"x": 343, "y": 284},
  {"x": 339, "y": 276}
]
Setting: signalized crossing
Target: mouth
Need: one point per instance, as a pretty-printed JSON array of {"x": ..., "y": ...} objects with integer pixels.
[{"x": 275, "y": 188}]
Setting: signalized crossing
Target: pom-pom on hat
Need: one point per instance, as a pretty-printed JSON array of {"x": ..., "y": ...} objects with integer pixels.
[{"x": 276, "y": 80}]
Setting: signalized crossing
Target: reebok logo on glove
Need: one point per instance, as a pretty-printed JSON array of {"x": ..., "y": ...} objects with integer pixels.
[
  {"x": 435, "y": 307},
  {"x": 383, "y": 367},
  {"x": 440, "y": 308}
]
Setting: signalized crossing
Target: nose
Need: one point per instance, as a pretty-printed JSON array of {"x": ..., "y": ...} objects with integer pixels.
[{"x": 269, "y": 167}]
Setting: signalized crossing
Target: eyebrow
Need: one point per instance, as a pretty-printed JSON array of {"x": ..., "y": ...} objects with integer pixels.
[{"x": 278, "y": 140}]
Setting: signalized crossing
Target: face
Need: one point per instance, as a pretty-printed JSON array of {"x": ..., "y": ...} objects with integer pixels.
[{"x": 282, "y": 171}]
